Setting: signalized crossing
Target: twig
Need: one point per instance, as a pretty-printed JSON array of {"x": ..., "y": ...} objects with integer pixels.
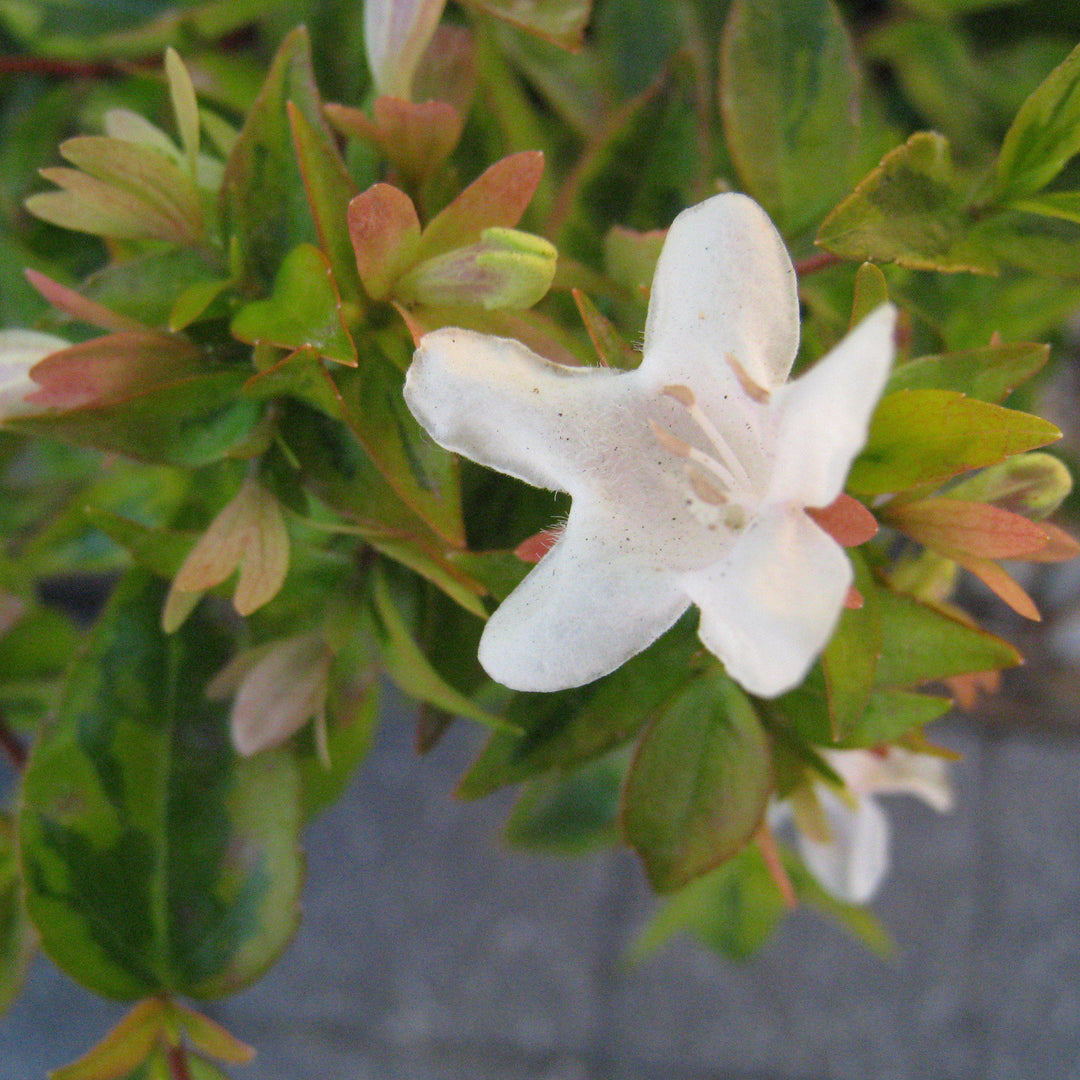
[
  {"x": 178, "y": 1063},
  {"x": 813, "y": 263},
  {"x": 60, "y": 69},
  {"x": 11, "y": 746}
]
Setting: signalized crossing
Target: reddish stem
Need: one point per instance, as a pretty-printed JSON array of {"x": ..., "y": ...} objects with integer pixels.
[
  {"x": 60, "y": 69},
  {"x": 11, "y": 746},
  {"x": 178, "y": 1064},
  {"x": 813, "y": 263}
]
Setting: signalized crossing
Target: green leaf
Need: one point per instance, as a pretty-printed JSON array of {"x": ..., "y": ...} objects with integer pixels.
[
  {"x": 185, "y": 107},
  {"x": 1045, "y": 133},
  {"x": 160, "y": 550},
  {"x": 156, "y": 860},
  {"x": 989, "y": 373},
  {"x": 871, "y": 291},
  {"x": 191, "y": 422},
  {"x": 732, "y": 910},
  {"x": 193, "y": 302},
  {"x": 424, "y": 476},
  {"x": 789, "y": 96},
  {"x": 329, "y": 190},
  {"x": 412, "y": 671},
  {"x": 18, "y": 940},
  {"x": 926, "y": 436},
  {"x": 921, "y": 643},
  {"x": 1055, "y": 204},
  {"x": 891, "y": 714},
  {"x": 569, "y": 815},
  {"x": 912, "y": 209},
  {"x": 850, "y": 659},
  {"x": 699, "y": 782},
  {"x": 303, "y": 310},
  {"x": 263, "y": 197},
  {"x": 562, "y": 22},
  {"x": 352, "y": 716},
  {"x": 567, "y": 729}
]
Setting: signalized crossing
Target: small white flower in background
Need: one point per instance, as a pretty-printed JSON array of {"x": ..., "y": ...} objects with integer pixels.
[
  {"x": 20, "y": 350},
  {"x": 396, "y": 33},
  {"x": 843, "y": 836},
  {"x": 690, "y": 476}
]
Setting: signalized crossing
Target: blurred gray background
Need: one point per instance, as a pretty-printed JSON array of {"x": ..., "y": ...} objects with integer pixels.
[{"x": 429, "y": 952}]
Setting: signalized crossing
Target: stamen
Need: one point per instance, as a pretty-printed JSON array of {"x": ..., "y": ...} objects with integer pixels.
[
  {"x": 692, "y": 453},
  {"x": 682, "y": 394},
  {"x": 751, "y": 387},
  {"x": 705, "y": 491},
  {"x": 685, "y": 397}
]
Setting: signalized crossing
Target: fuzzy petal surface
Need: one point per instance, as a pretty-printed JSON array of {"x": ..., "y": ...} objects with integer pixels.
[
  {"x": 724, "y": 287},
  {"x": 823, "y": 416},
  {"x": 495, "y": 401},
  {"x": 583, "y": 611},
  {"x": 769, "y": 606}
]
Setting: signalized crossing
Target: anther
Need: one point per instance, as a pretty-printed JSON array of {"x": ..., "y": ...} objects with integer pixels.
[
  {"x": 751, "y": 387},
  {"x": 705, "y": 491},
  {"x": 670, "y": 442}
]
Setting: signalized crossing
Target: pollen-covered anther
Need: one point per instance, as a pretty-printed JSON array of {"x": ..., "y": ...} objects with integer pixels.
[
  {"x": 682, "y": 394},
  {"x": 677, "y": 446},
  {"x": 705, "y": 491},
  {"x": 753, "y": 389}
]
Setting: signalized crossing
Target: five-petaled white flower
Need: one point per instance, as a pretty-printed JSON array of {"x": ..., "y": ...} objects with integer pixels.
[
  {"x": 843, "y": 836},
  {"x": 20, "y": 350},
  {"x": 689, "y": 476}
]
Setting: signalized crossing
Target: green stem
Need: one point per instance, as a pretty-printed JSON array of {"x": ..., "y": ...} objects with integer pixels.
[{"x": 813, "y": 263}]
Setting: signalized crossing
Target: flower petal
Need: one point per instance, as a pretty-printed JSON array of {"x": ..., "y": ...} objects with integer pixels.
[
  {"x": 769, "y": 606},
  {"x": 724, "y": 288},
  {"x": 854, "y": 862},
  {"x": 823, "y": 416},
  {"x": 896, "y": 772},
  {"x": 20, "y": 350},
  {"x": 496, "y": 402},
  {"x": 583, "y": 611}
]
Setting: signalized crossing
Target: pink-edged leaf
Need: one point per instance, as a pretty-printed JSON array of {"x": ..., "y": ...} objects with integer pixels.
[
  {"x": 562, "y": 22},
  {"x": 78, "y": 307},
  {"x": 416, "y": 138},
  {"x": 123, "y": 1049},
  {"x": 533, "y": 549},
  {"x": 385, "y": 233},
  {"x": 210, "y": 1038},
  {"x": 1000, "y": 583},
  {"x": 108, "y": 369},
  {"x": 329, "y": 190},
  {"x": 846, "y": 520},
  {"x": 495, "y": 199},
  {"x": 954, "y": 526}
]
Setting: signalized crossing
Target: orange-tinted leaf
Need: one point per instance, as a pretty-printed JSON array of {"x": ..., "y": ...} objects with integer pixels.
[
  {"x": 210, "y": 1038},
  {"x": 123, "y": 1049},
  {"x": 854, "y": 600},
  {"x": 448, "y": 69},
  {"x": 416, "y": 138},
  {"x": 250, "y": 533},
  {"x": 1000, "y": 583},
  {"x": 846, "y": 520},
  {"x": 385, "y": 233},
  {"x": 108, "y": 369},
  {"x": 78, "y": 307},
  {"x": 966, "y": 688},
  {"x": 496, "y": 199},
  {"x": 143, "y": 171},
  {"x": 1060, "y": 546},
  {"x": 955, "y": 526}
]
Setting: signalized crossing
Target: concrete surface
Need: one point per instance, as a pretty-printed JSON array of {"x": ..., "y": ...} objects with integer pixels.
[{"x": 427, "y": 952}]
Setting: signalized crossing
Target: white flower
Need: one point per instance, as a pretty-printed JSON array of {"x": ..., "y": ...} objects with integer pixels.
[
  {"x": 396, "y": 33},
  {"x": 689, "y": 476},
  {"x": 843, "y": 836},
  {"x": 20, "y": 350}
]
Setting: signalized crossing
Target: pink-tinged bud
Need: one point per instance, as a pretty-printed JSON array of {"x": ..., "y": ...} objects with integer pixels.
[
  {"x": 396, "y": 32},
  {"x": 20, "y": 350}
]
